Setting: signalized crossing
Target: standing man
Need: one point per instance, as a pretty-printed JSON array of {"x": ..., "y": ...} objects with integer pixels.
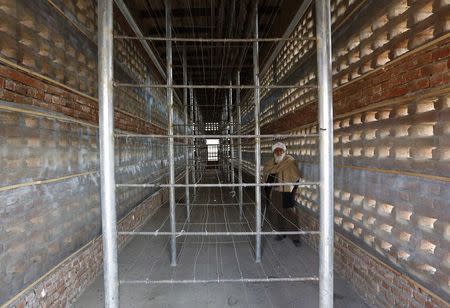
[{"x": 282, "y": 168}]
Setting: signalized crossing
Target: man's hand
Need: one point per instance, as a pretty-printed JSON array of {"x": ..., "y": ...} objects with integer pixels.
[{"x": 294, "y": 192}]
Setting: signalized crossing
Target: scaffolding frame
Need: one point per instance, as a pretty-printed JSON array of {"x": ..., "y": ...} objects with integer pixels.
[{"x": 106, "y": 136}]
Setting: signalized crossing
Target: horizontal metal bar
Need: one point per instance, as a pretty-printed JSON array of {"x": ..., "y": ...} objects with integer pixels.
[
  {"x": 212, "y": 223},
  {"x": 218, "y": 185},
  {"x": 206, "y": 125},
  {"x": 205, "y": 233},
  {"x": 218, "y": 136},
  {"x": 215, "y": 40},
  {"x": 224, "y": 66},
  {"x": 221, "y": 280},
  {"x": 220, "y": 205},
  {"x": 216, "y": 204},
  {"x": 214, "y": 242},
  {"x": 208, "y": 86},
  {"x": 217, "y": 165}
]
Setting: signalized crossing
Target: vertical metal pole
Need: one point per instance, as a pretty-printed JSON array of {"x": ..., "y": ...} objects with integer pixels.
[
  {"x": 186, "y": 140},
  {"x": 227, "y": 141},
  {"x": 257, "y": 139},
  {"x": 325, "y": 91},
  {"x": 173, "y": 240},
  {"x": 106, "y": 120},
  {"x": 197, "y": 123},
  {"x": 238, "y": 104},
  {"x": 191, "y": 102},
  {"x": 222, "y": 144},
  {"x": 199, "y": 145},
  {"x": 227, "y": 131},
  {"x": 230, "y": 103}
]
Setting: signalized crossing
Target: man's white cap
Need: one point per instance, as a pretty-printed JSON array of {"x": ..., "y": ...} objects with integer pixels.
[{"x": 279, "y": 145}]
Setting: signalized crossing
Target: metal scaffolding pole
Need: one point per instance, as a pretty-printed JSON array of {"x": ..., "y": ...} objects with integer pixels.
[
  {"x": 107, "y": 180},
  {"x": 230, "y": 110},
  {"x": 173, "y": 240},
  {"x": 238, "y": 104},
  {"x": 186, "y": 140},
  {"x": 194, "y": 103},
  {"x": 194, "y": 128},
  {"x": 325, "y": 92},
  {"x": 257, "y": 139},
  {"x": 228, "y": 142}
]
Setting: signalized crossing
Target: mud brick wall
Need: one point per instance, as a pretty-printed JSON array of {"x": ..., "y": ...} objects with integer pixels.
[
  {"x": 49, "y": 188},
  {"x": 61, "y": 286},
  {"x": 49, "y": 175},
  {"x": 381, "y": 284},
  {"x": 391, "y": 70}
]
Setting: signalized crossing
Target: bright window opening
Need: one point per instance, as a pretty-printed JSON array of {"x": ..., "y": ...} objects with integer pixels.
[{"x": 213, "y": 149}]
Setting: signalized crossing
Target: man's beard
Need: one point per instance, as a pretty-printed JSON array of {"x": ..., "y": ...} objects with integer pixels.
[{"x": 279, "y": 158}]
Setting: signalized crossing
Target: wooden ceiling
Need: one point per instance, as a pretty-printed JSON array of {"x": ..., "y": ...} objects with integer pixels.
[{"x": 213, "y": 63}]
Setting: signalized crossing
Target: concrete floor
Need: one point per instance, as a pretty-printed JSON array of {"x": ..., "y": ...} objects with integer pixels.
[{"x": 214, "y": 258}]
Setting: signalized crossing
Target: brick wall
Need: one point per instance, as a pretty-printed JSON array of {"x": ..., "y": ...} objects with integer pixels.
[
  {"x": 427, "y": 69},
  {"x": 391, "y": 173},
  {"x": 391, "y": 72},
  {"x": 49, "y": 192},
  {"x": 377, "y": 36},
  {"x": 383, "y": 285},
  {"x": 65, "y": 282},
  {"x": 48, "y": 162}
]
